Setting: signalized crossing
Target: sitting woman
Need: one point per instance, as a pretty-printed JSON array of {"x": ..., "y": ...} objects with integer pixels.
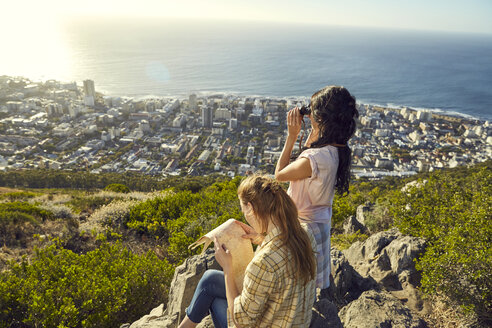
[{"x": 279, "y": 286}]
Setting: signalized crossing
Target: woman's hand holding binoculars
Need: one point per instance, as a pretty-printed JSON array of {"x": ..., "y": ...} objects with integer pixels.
[{"x": 294, "y": 122}]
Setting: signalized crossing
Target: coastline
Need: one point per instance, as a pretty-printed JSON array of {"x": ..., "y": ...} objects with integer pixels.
[{"x": 234, "y": 93}]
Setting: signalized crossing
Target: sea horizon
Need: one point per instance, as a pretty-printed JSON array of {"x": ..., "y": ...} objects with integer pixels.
[{"x": 432, "y": 70}]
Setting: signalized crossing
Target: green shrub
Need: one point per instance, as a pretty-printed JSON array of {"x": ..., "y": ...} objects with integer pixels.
[
  {"x": 452, "y": 211},
  {"x": 344, "y": 241},
  {"x": 180, "y": 217},
  {"x": 18, "y": 220},
  {"x": 23, "y": 207},
  {"x": 90, "y": 203},
  {"x": 117, "y": 187},
  {"x": 151, "y": 215},
  {"x": 103, "y": 288},
  {"x": 345, "y": 206},
  {"x": 379, "y": 218}
]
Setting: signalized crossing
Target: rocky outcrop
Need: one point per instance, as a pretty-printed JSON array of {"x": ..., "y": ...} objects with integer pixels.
[
  {"x": 325, "y": 315},
  {"x": 378, "y": 309},
  {"x": 352, "y": 225},
  {"x": 373, "y": 284},
  {"x": 186, "y": 277},
  {"x": 346, "y": 284},
  {"x": 387, "y": 257}
]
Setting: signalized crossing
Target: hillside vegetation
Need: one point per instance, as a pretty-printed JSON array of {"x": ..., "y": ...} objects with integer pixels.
[{"x": 85, "y": 258}]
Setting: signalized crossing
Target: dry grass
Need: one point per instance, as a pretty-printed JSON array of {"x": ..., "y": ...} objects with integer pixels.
[
  {"x": 53, "y": 199},
  {"x": 444, "y": 315},
  {"x": 4, "y": 190}
]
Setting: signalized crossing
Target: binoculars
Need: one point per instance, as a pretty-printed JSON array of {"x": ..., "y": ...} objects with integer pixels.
[{"x": 305, "y": 110}]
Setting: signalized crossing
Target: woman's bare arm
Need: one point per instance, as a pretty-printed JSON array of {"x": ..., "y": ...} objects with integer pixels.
[{"x": 301, "y": 168}]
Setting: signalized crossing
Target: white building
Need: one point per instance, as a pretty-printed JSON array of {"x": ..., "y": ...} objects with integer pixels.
[
  {"x": 105, "y": 136},
  {"x": 89, "y": 101},
  {"x": 89, "y": 89},
  {"x": 222, "y": 114},
  {"x": 144, "y": 126},
  {"x": 179, "y": 121},
  {"x": 114, "y": 132}
]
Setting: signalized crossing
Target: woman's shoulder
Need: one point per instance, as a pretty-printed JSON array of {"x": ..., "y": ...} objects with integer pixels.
[
  {"x": 320, "y": 150},
  {"x": 272, "y": 257},
  {"x": 321, "y": 154}
]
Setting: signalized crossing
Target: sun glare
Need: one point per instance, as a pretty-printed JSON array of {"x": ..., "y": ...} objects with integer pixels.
[{"x": 32, "y": 45}]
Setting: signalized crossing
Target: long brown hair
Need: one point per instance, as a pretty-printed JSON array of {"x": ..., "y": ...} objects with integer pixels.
[
  {"x": 270, "y": 201},
  {"x": 335, "y": 111}
]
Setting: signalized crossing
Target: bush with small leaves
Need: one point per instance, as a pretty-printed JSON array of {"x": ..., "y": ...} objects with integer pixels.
[
  {"x": 117, "y": 187},
  {"x": 452, "y": 211},
  {"x": 102, "y": 288}
]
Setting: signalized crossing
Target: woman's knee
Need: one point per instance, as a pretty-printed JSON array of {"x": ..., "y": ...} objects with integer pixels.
[{"x": 211, "y": 278}]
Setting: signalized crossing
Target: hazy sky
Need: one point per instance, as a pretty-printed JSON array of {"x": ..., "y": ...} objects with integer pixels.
[{"x": 445, "y": 15}]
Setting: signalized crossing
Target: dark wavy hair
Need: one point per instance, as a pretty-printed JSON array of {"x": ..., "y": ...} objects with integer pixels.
[{"x": 334, "y": 109}]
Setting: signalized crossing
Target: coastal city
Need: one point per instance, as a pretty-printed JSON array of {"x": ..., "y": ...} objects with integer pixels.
[{"x": 70, "y": 126}]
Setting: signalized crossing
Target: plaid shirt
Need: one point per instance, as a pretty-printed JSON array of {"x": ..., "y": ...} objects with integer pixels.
[{"x": 271, "y": 297}]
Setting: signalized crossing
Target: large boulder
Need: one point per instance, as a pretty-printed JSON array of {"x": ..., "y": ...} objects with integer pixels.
[
  {"x": 155, "y": 319},
  {"x": 361, "y": 252},
  {"x": 346, "y": 284},
  {"x": 186, "y": 277},
  {"x": 379, "y": 309},
  {"x": 385, "y": 256},
  {"x": 325, "y": 315},
  {"x": 388, "y": 258},
  {"x": 185, "y": 280}
]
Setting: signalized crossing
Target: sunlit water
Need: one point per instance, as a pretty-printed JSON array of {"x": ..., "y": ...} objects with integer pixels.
[{"x": 451, "y": 72}]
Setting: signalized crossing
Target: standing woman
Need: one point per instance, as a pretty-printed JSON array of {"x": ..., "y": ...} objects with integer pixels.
[
  {"x": 279, "y": 282},
  {"x": 322, "y": 168}
]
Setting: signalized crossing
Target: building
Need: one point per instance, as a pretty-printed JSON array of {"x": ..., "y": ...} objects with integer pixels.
[
  {"x": 179, "y": 121},
  {"x": 192, "y": 102},
  {"x": 105, "y": 136},
  {"x": 53, "y": 109},
  {"x": 250, "y": 154},
  {"x": 207, "y": 116},
  {"x": 424, "y": 115},
  {"x": 114, "y": 132},
  {"x": 233, "y": 124},
  {"x": 144, "y": 126},
  {"x": 89, "y": 93},
  {"x": 89, "y": 89},
  {"x": 223, "y": 114}
]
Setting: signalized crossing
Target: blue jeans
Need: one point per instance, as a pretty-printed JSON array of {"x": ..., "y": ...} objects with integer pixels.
[{"x": 210, "y": 297}]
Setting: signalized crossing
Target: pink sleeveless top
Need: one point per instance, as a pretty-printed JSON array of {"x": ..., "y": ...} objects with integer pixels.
[{"x": 313, "y": 196}]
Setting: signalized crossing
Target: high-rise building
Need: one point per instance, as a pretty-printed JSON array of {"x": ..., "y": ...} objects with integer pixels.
[
  {"x": 207, "y": 113},
  {"x": 233, "y": 124},
  {"x": 89, "y": 93},
  {"x": 192, "y": 102},
  {"x": 89, "y": 89}
]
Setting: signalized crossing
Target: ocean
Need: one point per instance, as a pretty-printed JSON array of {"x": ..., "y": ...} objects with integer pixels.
[{"x": 420, "y": 69}]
